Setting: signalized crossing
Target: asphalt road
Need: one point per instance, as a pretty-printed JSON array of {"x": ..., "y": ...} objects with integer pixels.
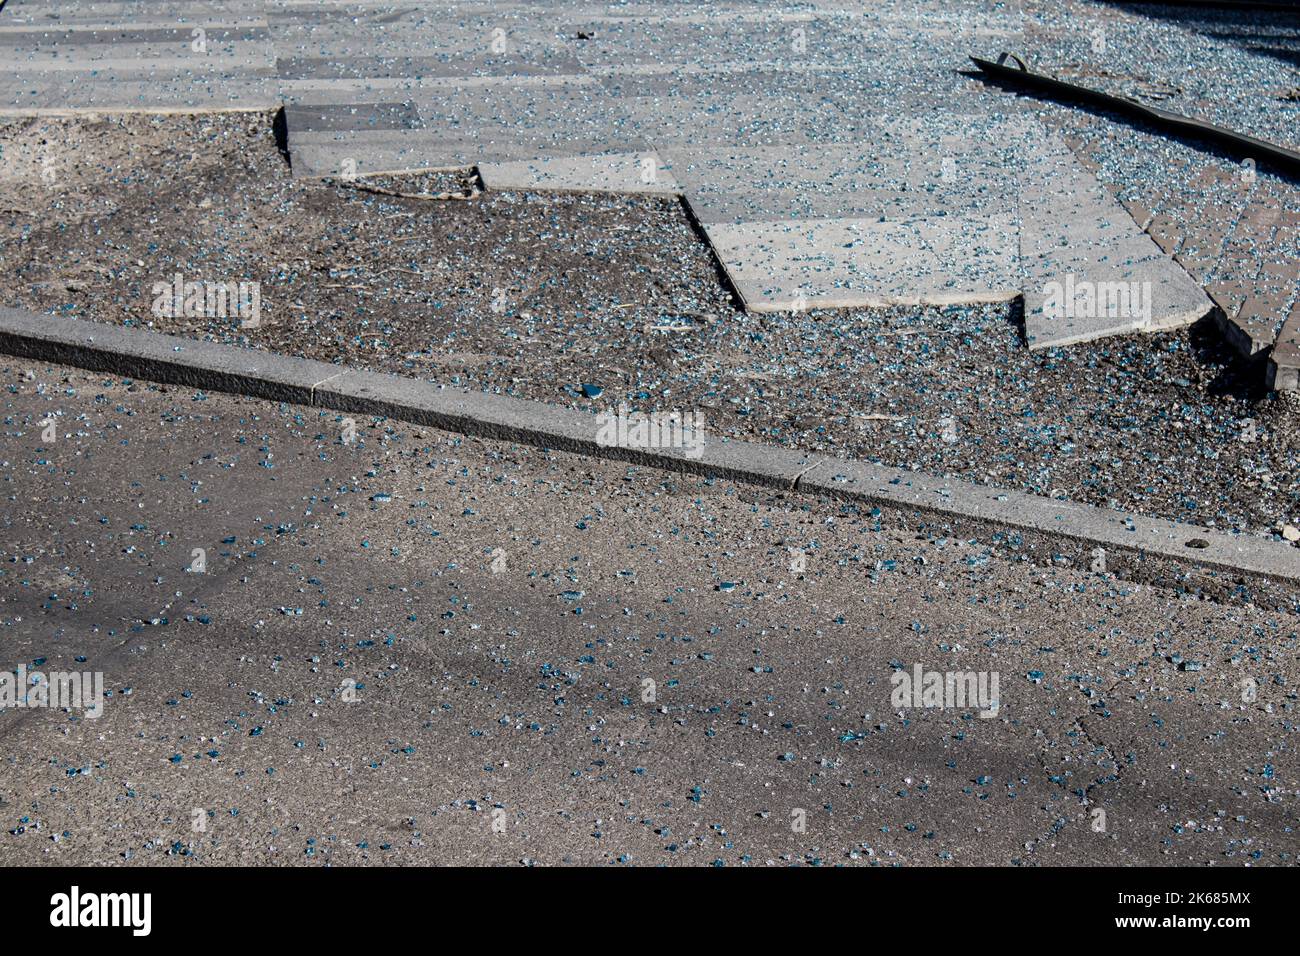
[{"x": 409, "y": 647}]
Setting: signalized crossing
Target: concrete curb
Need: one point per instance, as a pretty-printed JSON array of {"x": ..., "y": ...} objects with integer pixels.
[
  {"x": 1079, "y": 529},
  {"x": 1283, "y": 372}
]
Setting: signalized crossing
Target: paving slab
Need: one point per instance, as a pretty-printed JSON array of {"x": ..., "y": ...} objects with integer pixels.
[
  {"x": 418, "y": 67},
  {"x": 60, "y": 13},
  {"x": 1089, "y": 269},
  {"x": 84, "y": 56},
  {"x": 844, "y": 263},
  {"x": 901, "y": 172},
  {"x": 41, "y": 41},
  {"x": 802, "y": 39},
  {"x": 642, "y": 172},
  {"x": 352, "y": 116},
  {"x": 367, "y": 152}
]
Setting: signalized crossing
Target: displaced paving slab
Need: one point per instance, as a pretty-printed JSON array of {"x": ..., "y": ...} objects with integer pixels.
[
  {"x": 642, "y": 172},
  {"x": 1089, "y": 270},
  {"x": 794, "y": 265},
  {"x": 906, "y": 170}
]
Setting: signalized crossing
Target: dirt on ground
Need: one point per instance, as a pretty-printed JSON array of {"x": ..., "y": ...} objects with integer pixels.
[{"x": 588, "y": 301}]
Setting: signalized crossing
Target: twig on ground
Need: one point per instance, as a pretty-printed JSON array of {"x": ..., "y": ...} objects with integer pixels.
[{"x": 469, "y": 192}]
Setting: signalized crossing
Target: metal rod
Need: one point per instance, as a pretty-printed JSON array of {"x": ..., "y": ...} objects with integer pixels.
[{"x": 1247, "y": 147}]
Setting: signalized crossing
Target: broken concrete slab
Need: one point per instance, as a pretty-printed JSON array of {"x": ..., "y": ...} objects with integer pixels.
[
  {"x": 1076, "y": 297},
  {"x": 846, "y": 263},
  {"x": 1088, "y": 269},
  {"x": 613, "y": 172},
  {"x": 903, "y": 172}
]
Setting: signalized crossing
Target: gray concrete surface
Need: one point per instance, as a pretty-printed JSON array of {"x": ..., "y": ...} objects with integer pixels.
[
  {"x": 1089, "y": 271},
  {"x": 514, "y": 696},
  {"x": 65, "y": 55}
]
